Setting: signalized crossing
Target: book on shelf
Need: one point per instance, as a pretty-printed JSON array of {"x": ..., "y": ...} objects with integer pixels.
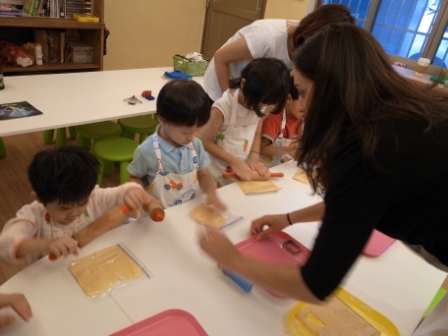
[
  {"x": 28, "y": 6},
  {"x": 77, "y": 7},
  {"x": 57, "y": 8},
  {"x": 9, "y": 10}
]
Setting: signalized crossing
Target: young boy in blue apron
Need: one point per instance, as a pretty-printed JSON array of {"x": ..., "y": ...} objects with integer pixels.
[
  {"x": 281, "y": 132},
  {"x": 232, "y": 136},
  {"x": 172, "y": 164}
]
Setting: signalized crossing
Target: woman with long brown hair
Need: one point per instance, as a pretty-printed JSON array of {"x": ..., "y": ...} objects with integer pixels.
[{"x": 381, "y": 145}]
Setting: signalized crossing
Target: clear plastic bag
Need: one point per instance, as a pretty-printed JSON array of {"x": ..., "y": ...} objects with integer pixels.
[
  {"x": 208, "y": 216},
  {"x": 108, "y": 270}
]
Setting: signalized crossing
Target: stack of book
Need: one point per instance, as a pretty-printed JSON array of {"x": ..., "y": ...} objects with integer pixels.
[
  {"x": 9, "y": 10},
  {"x": 56, "y": 8},
  {"x": 78, "y": 7}
]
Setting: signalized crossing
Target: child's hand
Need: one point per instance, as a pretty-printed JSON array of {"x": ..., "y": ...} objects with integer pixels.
[
  {"x": 19, "y": 303},
  {"x": 259, "y": 167},
  {"x": 62, "y": 247},
  {"x": 135, "y": 198},
  {"x": 212, "y": 199},
  {"x": 241, "y": 169}
]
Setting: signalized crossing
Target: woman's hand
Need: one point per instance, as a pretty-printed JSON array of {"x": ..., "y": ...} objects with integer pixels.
[
  {"x": 219, "y": 247},
  {"x": 273, "y": 222}
]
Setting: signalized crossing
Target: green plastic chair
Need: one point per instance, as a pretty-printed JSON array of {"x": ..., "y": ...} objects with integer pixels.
[
  {"x": 2, "y": 149},
  {"x": 61, "y": 135},
  {"x": 96, "y": 131},
  {"x": 143, "y": 125},
  {"x": 114, "y": 149}
]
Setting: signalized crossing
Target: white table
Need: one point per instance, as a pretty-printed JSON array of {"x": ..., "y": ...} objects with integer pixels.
[
  {"x": 71, "y": 99},
  {"x": 398, "y": 284}
]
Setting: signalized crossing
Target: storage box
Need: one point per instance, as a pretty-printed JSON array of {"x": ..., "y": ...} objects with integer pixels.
[
  {"x": 79, "y": 52},
  {"x": 189, "y": 67}
]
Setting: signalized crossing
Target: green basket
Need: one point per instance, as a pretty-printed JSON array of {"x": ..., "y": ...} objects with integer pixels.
[{"x": 192, "y": 68}]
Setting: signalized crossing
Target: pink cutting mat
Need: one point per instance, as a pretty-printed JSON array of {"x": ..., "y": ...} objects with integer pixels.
[
  {"x": 278, "y": 248},
  {"x": 172, "y": 322},
  {"x": 377, "y": 244}
]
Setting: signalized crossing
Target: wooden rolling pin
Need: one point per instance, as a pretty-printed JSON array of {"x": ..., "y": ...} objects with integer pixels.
[
  {"x": 255, "y": 176},
  {"x": 110, "y": 220}
]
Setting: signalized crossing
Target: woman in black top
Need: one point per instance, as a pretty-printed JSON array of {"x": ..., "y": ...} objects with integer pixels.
[{"x": 382, "y": 147}]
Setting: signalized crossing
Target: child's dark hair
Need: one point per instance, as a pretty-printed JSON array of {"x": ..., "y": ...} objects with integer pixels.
[
  {"x": 267, "y": 81},
  {"x": 293, "y": 92},
  {"x": 66, "y": 174},
  {"x": 183, "y": 103}
]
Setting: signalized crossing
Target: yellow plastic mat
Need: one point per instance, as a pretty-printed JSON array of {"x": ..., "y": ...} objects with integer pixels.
[{"x": 313, "y": 326}]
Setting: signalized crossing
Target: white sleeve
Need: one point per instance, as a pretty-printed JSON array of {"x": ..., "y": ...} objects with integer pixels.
[
  {"x": 260, "y": 41},
  {"x": 104, "y": 199},
  {"x": 25, "y": 225}
]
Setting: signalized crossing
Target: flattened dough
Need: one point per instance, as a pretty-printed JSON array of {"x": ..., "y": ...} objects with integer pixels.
[
  {"x": 300, "y": 176},
  {"x": 257, "y": 187},
  {"x": 205, "y": 215},
  {"x": 100, "y": 270},
  {"x": 333, "y": 319}
]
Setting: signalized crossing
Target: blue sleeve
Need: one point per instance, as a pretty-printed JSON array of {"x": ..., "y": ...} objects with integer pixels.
[
  {"x": 204, "y": 159},
  {"x": 144, "y": 164}
]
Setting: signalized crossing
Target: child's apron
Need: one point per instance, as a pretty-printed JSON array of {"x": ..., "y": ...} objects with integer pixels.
[
  {"x": 236, "y": 140},
  {"x": 272, "y": 161},
  {"x": 172, "y": 189}
]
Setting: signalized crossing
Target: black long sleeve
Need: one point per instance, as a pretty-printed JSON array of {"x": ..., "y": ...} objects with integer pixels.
[{"x": 406, "y": 199}]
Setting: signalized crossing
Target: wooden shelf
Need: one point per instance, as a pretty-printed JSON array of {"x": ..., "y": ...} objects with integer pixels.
[
  {"x": 52, "y": 67},
  {"x": 19, "y": 30},
  {"x": 42, "y": 22}
]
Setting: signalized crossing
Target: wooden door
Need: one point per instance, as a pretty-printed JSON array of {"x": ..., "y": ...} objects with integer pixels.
[{"x": 224, "y": 18}]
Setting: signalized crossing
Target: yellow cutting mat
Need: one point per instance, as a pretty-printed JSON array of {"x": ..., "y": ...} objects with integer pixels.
[{"x": 300, "y": 322}]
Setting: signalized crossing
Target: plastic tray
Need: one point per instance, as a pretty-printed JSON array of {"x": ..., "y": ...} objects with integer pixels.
[
  {"x": 278, "y": 248},
  {"x": 373, "y": 317},
  {"x": 377, "y": 244},
  {"x": 172, "y": 322}
]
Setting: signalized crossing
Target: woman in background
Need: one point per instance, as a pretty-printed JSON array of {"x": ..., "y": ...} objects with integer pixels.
[{"x": 266, "y": 38}]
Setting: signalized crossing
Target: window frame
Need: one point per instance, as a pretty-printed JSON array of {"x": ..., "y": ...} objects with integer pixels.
[{"x": 433, "y": 41}]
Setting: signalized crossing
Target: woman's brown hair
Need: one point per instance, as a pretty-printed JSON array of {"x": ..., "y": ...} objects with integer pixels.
[
  {"x": 322, "y": 16},
  {"x": 355, "y": 89}
]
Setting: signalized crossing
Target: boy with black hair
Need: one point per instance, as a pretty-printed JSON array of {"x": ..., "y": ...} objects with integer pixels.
[
  {"x": 172, "y": 163},
  {"x": 63, "y": 181}
]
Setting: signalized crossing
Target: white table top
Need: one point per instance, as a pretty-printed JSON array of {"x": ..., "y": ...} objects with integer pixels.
[
  {"x": 398, "y": 284},
  {"x": 71, "y": 99}
]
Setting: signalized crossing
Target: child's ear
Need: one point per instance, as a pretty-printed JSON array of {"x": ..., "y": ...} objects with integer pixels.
[
  {"x": 161, "y": 120},
  {"x": 243, "y": 81},
  {"x": 289, "y": 100},
  {"x": 35, "y": 197}
]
